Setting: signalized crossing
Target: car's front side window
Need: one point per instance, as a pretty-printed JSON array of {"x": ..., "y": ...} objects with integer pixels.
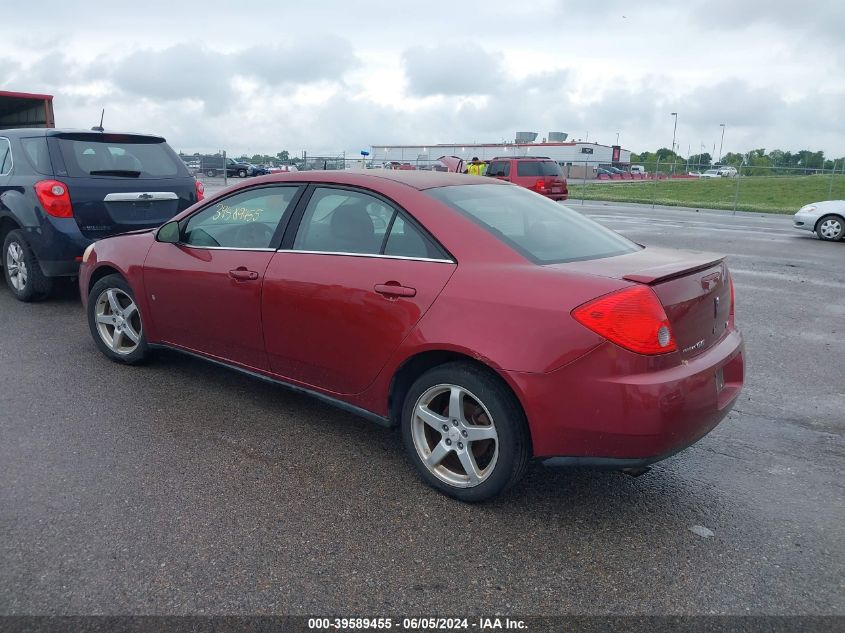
[{"x": 247, "y": 220}]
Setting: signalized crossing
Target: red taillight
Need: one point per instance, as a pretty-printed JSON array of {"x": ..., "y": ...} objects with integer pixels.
[
  {"x": 540, "y": 185},
  {"x": 632, "y": 318},
  {"x": 200, "y": 190},
  {"x": 54, "y": 198}
]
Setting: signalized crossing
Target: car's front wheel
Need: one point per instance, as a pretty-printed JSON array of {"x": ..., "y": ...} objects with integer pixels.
[
  {"x": 831, "y": 228},
  {"x": 465, "y": 432},
  {"x": 21, "y": 269},
  {"x": 115, "y": 320},
  {"x": 242, "y": 173}
]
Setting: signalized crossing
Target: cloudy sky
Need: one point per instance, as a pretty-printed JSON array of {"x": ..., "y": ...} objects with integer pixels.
[{"x": 334, "y": 76}]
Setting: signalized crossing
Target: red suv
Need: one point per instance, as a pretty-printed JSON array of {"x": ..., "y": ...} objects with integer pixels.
[{"x": 537, "y": 173}]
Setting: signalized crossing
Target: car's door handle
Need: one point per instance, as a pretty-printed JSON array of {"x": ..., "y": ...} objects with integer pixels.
[
  {"x": 242, "y": 274},
  {"x": 393, "y": 289}
]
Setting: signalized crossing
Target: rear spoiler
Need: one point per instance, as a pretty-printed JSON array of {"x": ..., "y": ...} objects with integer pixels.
[{"x": 686, "y": 266}]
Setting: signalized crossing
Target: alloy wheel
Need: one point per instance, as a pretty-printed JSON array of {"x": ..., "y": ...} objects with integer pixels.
[
  {"x": 455, "y": 436},
  {"x": 16, "y": 266},
  {"x": 118, "y": 321}
]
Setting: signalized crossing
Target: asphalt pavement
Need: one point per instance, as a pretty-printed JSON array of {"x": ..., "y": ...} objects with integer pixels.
[{"x": 180, "y": 487}]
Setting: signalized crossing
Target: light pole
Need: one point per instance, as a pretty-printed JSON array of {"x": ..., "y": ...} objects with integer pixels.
[
  {"x": 721, "y": 125},
  {"x": 617, "y": 138},
  {"x": 674, "y": 130}
]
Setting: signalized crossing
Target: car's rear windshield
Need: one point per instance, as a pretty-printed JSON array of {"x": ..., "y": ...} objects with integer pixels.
[
  {"x": 537, "y": 168},
  {"x": 542, "y": 230},
  {"x": 119, "y": 156}
]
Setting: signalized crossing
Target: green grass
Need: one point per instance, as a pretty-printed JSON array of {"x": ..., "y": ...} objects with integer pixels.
[{"x": 767, "y": 194}]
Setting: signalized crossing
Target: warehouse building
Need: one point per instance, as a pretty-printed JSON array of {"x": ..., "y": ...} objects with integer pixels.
[{"x": 554, "y": 146}]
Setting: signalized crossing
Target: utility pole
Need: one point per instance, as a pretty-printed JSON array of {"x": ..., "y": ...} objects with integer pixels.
[
  {"x": 721, "y": 125},
  {"x": 617, "y": 138},
  {"x": 674, "y": 131}
]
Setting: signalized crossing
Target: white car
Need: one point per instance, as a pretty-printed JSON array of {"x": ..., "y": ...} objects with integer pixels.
[
  {"x": 826, "y": 219},
  {"x": 710, "y": 173},
  {"x": 727, "y": 172}
]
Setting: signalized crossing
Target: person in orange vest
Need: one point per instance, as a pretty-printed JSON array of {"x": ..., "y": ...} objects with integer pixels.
[{"x": 476, "y": 167}]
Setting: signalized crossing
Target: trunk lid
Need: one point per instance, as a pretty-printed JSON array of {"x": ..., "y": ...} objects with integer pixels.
[{"x": 694, "y": 289}]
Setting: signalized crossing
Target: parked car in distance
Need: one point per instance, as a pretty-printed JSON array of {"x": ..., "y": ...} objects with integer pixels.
[
  {"x": 710, "y": 173},
  {"x": 637, "y": 169},
  {"x": 257, "y": 170},
  {"x": 62, "y": 189},
  {"x": 491, "y": 324},
  {"x": 727, "y": 171},
  {"x": 540, "y": 174},
  {"x": 826, "y": 219},
  {"x": 213, "y": 167}
]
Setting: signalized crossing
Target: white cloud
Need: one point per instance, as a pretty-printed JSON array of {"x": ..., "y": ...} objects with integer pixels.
[{"x": 341, "y": 76}]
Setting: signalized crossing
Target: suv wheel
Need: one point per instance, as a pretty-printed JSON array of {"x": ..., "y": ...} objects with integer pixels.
[
  {"x": 23, "y": 274},
  {"x": 465, "y": 432},
  {"x": 830, "y": 228},
  {"x": 211, "y": 173},
  {"x": 242, "y": 173}
]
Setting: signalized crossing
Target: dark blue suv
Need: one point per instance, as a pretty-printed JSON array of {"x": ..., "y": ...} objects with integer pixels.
[{"x": 60, "y": 190}]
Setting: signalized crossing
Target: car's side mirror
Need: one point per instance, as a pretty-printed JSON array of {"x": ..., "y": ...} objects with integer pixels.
[{"x": 169, "y": 233}]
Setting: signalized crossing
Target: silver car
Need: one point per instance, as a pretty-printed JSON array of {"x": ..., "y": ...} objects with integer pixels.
[{"x": 826, "y": 219}]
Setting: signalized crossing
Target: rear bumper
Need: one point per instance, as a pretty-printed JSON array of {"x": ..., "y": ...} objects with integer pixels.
[
  {"x": 57, "y": 245},
  {"x": 558, "y": 196},
  {"x": 615, "y": 409}
]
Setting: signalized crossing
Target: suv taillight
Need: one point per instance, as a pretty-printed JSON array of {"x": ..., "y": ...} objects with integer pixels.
[
  {"x": 632, "y": 318},
  {"x": 200, "y": 190},
  {"x": 540, "y": 185},
  {"x": 54, "y": 198}
]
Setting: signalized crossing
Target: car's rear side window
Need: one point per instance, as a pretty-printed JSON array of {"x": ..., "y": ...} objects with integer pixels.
[
  {"x": 5, "y": 157},
  {"x": 118, "y": 155},
  {"x": 544, "y": 231},
  {"x": 343, "y": 221},
  {"x": 537, "y": 168},
  {"x": 35, "y": 148}
]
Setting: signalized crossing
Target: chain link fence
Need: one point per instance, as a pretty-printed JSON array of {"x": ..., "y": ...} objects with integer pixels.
[{"x": 769, "y": 189}]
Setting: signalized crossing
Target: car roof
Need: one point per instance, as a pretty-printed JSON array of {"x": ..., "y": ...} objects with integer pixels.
[
  {"x": 52, "y": 131},
  {"x": 418, "y": 179}
]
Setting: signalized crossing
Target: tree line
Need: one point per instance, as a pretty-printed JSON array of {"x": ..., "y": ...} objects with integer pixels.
[{"x": 774, "y": 161}]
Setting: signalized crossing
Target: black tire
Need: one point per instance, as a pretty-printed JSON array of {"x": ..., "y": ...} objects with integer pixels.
[
  {"x": 242, "y": 173},
  {"x": 836, "y": 221},
  {"x": 508, "y": 419},
  {"x": 35, "y": 286},
  {"x": 211, "y": 173},
  {"x": 123, "y": 291}
]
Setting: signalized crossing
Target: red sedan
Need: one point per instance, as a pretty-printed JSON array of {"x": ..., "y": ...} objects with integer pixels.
[{"x": 490, "y": 323}]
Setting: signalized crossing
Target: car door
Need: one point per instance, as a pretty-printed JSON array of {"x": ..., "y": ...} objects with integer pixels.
[
  {"x": 205, "y": 291},
  {"x": 352, "y": 283}
]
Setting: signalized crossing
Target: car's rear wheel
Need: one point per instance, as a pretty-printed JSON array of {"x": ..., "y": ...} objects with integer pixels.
[
  {"x": 830, "y": 228},
  {"x": 21, "y": 269},
  {"x": 242, "y": 173},
  {"x": 115, "y": 320},
  {"x": 211, "y": 173},
  {"x": 465, "y": 432}
]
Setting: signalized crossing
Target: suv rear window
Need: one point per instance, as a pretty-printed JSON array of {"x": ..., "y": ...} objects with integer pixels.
[
  {"x": 543, "y": 231},
  {"x": 538, "y": 168},
  {"x": 119, "y": 155}
]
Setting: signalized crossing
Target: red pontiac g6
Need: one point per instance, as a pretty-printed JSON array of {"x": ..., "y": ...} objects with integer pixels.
[{"x": 491, "y": 323}]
